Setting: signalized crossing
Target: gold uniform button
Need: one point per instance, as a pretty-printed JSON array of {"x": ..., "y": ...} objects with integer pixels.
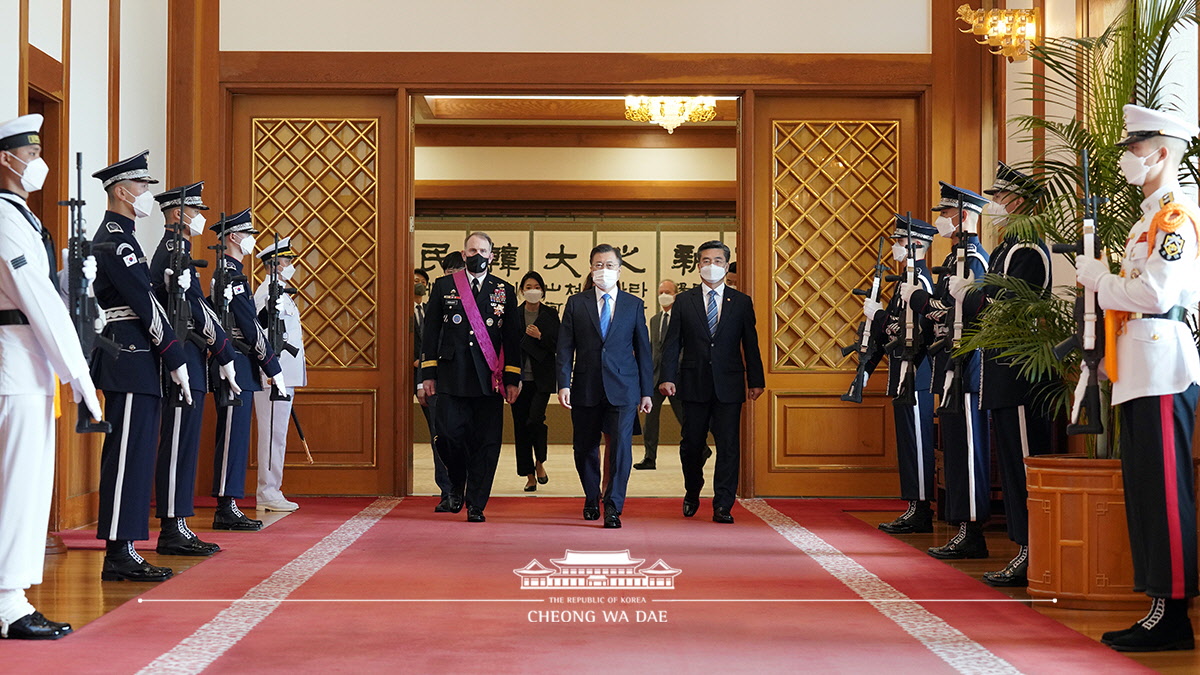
[{"x": 1154, "y": 337}]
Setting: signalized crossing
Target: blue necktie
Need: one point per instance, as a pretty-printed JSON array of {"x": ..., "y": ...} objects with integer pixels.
[
  {"x": 605, "y": 316},
  {"x": 712, "y": 312}
]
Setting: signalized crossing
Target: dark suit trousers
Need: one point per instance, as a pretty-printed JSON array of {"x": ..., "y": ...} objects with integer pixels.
[
  {"x": 440, "y": 476},
  {"x": 127, "y": 466},
  {"x": 529, "y": 427},
  {"x": 1020, "y": 432},
  {"x": 1160, "y": 492},
  {"x": 178, "y": 452},
  {"x": 650, "y": 427},
  {"x": 589, "y": 423},
  {"x": 966, "y": 461},
  {"x": 725, "y": 422},
  {"x": 471, "y": 426},
  {"x": 914, "y": 448}
]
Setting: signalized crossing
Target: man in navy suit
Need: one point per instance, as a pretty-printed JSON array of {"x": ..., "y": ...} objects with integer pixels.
[
  {"x": 605, "y": 376},
  {"x": 711, "y": 351}
]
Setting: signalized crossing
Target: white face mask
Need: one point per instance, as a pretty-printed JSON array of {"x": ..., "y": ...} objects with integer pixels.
[
  {"x": 945, "y": 226},
  {"x": 665, "y": 299},
  {"x": 995, "y": 210},
  {"x": 142, "y": 204},
  {"x": 247, "y": 245},
  {"x": 288, "y": 272},
  {"x": 605, "y": 279},
  {"x": 1134, "y": 168},
  {"x": 712, "y": 273},
  {"x": 533, "y": 296},
  {"x": 196, "y": 224},
  {"x": 35, "y": 173},
  {"x": 899, "y": 252}
]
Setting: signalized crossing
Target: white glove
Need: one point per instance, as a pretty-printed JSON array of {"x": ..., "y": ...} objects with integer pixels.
[
  {"x": 228, "y": 293},
  {"x": 66, "y": 258},
  {"x": 906, "y": 291},
  {"x": 279, "y": 383},
  {"x": 279, "y": 305},
  {"x": 1089, "y": 271},
  {"x": 180, "y": 377},
  {"x": 89, "y": 268},
  {"x": 185, "y": 280},
  {"x": 959, "y": 286},
  {"x": 871, "y": 308},
  {"x": 230, "y": 375},
  {"x": 83, "y": 390}
]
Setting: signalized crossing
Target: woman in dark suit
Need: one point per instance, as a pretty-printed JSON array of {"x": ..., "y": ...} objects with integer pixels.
[{"x": 539, "y": 335}]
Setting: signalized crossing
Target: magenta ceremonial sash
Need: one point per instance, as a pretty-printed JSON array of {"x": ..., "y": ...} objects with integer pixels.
[{"x": 495, "y": 362}]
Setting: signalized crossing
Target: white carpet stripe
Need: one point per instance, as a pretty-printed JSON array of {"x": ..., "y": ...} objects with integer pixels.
[
  {"x": 948, "y": 643},
  {"x": 196, "y": 652}
]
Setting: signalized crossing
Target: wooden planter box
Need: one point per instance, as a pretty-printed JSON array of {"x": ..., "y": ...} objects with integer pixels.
[{"x": 1078, "y": 538}]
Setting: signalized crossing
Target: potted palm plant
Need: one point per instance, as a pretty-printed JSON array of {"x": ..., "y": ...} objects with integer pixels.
[{"x": 1079, "y": 546}]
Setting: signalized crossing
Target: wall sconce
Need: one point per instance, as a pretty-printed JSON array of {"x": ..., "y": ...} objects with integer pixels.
[{"x": 1009, "y": 32}]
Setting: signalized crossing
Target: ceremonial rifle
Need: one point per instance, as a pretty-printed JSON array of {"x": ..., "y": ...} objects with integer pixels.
[
  {"x": 1088, "y": 314},
  {"x": 221, "y": 280},
  {"x": 179, "y": 311},
  {"x": 83, "y": 306},
  {"x": 275, "y": 331},
  {"x": 952, "y": 389},
  {"x": 909, "y": 342},
  {"x": 864, "y": 345}
]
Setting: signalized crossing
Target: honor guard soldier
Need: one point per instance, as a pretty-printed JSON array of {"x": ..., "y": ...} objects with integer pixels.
[
  {"x": 962, "y": 425},
  {"x": 273, "y": 426},
  {"x": 472, "y": 351},
  {"x": 1155, "y": 370},
  {"x": 914, "y": 421},
  {"x": 37, "y": 340},
  {"x": 233, "y": 422},
  {"x": 131, "y": 381},
  {"x": 179, "y": 429},
  {"x": 1020, "y": 421}
]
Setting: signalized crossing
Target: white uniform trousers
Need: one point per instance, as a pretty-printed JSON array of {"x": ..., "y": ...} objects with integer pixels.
[
  {"x": 26, "y": 484},
  {"x": 271, "y": 445}
]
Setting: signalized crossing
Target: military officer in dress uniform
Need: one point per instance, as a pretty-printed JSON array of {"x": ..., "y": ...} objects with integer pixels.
[
  {"x": 131, "y": 381},
  {"x": 233, "y": 423},
  {"x": 37, "y": 341},
  {"x": 472, "y": 352},
  {"x": 179, "y": 428},
  {"x": 964, "y": 436},
  {"x": 914, "y": 423},
  {"x": 273, "y": 427},
  {"x": 1020, "y": 421},
  {"x": 1155, "y": 376}
]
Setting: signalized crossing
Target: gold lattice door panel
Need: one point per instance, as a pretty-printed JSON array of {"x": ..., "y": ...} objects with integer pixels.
[
  {"x": 316, "y": 179},
  {"x": 835, "y": 187}
]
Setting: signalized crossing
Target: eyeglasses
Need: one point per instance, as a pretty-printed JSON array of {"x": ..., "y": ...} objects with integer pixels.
[{"x": 609, "y": 265}]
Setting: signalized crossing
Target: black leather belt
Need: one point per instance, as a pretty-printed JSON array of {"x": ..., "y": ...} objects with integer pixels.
[
  {"x": 1176, "y": 313},
  {"x": 13, "y": 317}
]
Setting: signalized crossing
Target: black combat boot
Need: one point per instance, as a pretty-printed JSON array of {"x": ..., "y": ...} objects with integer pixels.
[
  {"x": 917, "y": 519},
  {"x": 1166, "y": 627},
  {"x": 968, "y": 543}
]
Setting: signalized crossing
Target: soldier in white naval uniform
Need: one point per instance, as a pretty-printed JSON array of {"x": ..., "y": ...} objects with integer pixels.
[
  {"x": 272, "y": 441},
  {"x": 1155, "y": 376},
  {"x": 37, "y": 340}
]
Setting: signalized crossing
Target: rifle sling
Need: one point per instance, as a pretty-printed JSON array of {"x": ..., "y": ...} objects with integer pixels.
[{"x": 13, "y": 317}]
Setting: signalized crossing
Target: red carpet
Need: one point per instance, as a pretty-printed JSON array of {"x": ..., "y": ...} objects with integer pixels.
[{"x": 417, "y": 592}]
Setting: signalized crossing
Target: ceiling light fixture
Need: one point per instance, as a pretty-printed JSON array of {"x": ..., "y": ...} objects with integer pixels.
[{"x": 669, "y": 112}]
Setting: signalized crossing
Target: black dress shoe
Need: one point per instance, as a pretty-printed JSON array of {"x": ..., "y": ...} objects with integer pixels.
[
  {"x": 612, "y": 519},
  {"x": 645, "y": 465},
  {"x": 968, "y": 543},
  {"x": 1014, "y": 574},
  {"x": 918, "y": 519},
  {"x": 1166, "y": 627},
  {"x": 722, "y": 516},
  {"x": 543, "y": 479},
  {"x": 443, "y": 506},
  {"x": 34, "y": 626},
  {"x": 531, "y": 488},
  {"x": 232, "y": 518},
  {"x": 174, "y": 543},
  {"x": 125, "y": 568},
  {"x": 475, "y": 515},
  {"x": 454, "y": 503},
  {"x": 591, "y": 513},
  {"x": 689, "y": 507}
]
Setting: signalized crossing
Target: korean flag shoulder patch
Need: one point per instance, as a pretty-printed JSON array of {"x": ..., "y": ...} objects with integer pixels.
[
  {"x": 1172, "y": 246},
  {"x": 130, "y": 260}
]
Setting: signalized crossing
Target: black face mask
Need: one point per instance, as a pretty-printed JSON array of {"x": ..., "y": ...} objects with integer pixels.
[{"x": 476, "y": 263}]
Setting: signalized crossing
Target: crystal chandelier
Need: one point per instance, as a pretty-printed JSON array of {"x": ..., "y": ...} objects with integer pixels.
[
  {"x": 1009, "y": 32},
  {"x": 669, "y": 112}
]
